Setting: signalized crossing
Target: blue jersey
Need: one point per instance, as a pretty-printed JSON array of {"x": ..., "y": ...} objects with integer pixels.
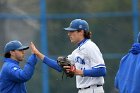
[
  {"x": 13, "y": 78},
  {"x": 128, "y": 76}
]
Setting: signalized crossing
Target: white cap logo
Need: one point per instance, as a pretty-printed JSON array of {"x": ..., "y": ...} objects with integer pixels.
[
  {"x": 15, "y": 68},
  {"x": 80, "y": 26}
]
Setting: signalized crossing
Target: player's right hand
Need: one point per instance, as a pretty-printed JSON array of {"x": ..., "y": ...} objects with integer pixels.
[
  {"x": 71, "y": 68},
  {"x": 36, "y": 51},
  {"x": 33, "y": 48}
]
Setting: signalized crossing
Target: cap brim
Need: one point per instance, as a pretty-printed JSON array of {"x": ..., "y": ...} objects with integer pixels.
[
  {"x": 23, "y": 48},
  {"x": 70, "y": 29}
]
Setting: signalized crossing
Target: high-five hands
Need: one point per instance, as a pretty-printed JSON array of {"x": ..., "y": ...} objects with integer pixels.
[{"x": 36, "y": 51}]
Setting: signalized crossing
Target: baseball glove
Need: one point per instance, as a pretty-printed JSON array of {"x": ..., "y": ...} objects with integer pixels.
[{"x": 63, "y": 61}]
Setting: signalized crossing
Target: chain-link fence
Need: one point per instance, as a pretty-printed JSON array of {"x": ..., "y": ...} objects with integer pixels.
[{"x": 112, "y": 23}]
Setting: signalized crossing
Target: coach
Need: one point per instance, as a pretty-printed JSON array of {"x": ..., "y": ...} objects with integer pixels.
[
  {"x": 128, "y": 76},
  {"x": 12, "y": 77}
]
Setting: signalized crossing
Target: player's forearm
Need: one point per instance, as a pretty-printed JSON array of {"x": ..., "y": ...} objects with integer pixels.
[
  {"x": 95, "y": 72},
  {"x": 78, "y": 72},
  {"x": 40, "y": 55},
  {"x": 52, "y": 63}
]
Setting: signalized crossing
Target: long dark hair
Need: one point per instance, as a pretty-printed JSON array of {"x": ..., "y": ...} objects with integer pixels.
[
  {"x": 87, "y": 34},
  {"x": 7, "y": 55}
]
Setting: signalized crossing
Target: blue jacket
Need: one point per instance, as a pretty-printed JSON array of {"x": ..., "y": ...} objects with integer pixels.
[
  {"x": 127, "y": 79},
  {"x": 13, "y": 78}
]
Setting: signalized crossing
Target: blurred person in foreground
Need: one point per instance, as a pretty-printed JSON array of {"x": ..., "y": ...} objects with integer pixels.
[
  {"x": 128, "y": 76},
  {"x": 12, "y": 77},
  {"x": 90, "y": 68}
]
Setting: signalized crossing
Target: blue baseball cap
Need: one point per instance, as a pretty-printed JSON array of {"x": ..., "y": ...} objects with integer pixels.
[
  {"x": 14, "y": 45},
  {"x": 78, "y": 24}
]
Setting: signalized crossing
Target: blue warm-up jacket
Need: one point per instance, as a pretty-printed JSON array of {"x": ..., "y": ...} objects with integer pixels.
[
  {"x": 13, "y": 78},
  {"x": 127, "y": 79}
]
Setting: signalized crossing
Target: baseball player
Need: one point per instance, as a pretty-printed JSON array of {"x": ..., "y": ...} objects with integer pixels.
[
  {"x": 87, "y": 58},
  {"x": 12, "y": 77},
  {"x": 128, "y": 76}
]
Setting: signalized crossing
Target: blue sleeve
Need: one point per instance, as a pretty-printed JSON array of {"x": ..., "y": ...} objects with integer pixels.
[
  {"x": 95, "y": 72},
  {"x": 19, "y": 75},
  {"x": 116, "y": 81},
  {"x": 52, "y": 63}
]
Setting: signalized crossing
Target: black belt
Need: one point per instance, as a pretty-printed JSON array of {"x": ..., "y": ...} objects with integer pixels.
[{"x": 90, "y": 86}]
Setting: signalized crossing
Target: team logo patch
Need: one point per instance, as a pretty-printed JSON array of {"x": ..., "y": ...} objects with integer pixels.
[{"x": 80, "y": 60}]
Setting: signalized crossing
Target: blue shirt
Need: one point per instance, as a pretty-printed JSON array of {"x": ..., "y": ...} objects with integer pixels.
[
  {"x": 128, "y": 76},
  {"x": 13, "y": 78}
]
